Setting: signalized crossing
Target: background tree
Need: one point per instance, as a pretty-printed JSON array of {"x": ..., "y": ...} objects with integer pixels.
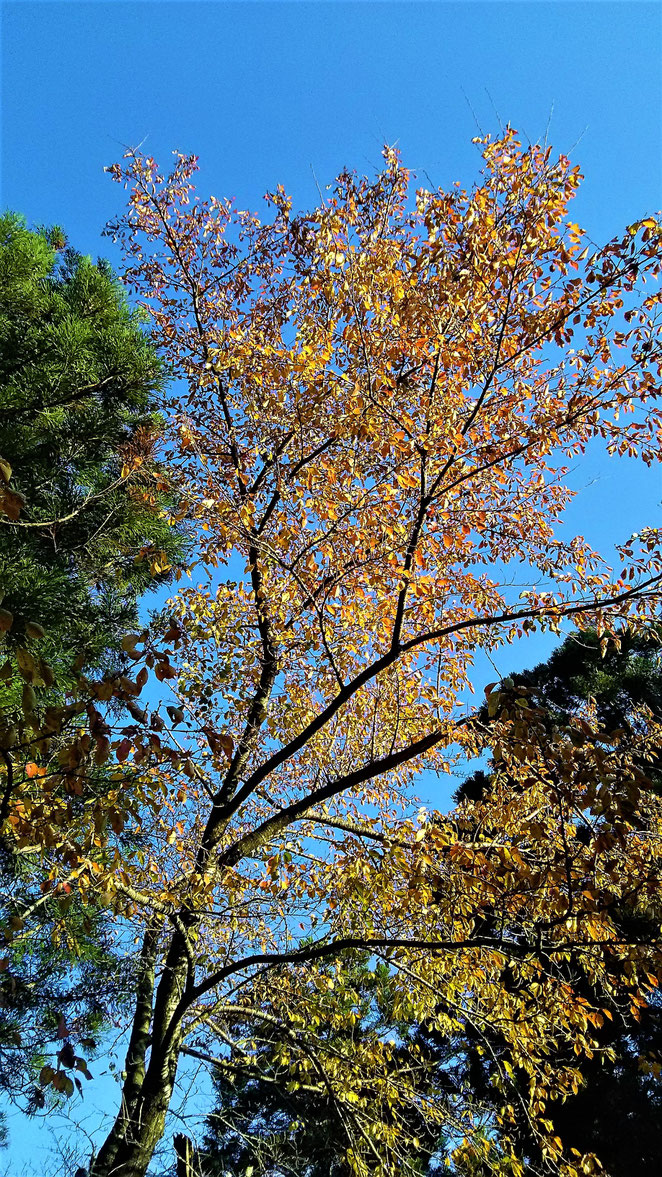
[
  {"x": 617, "y": 1113},
  {"x": 84, "y": 523},
  {"x": 380, "y": 395},
  {"x": 85, "y": 532},
  {"x": 616, "y": 680},
  {"x": 265, "y": 1121}
]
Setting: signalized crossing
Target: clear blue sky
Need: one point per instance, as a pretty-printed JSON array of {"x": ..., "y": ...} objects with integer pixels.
[
  {"x": 285, "y": 92},
  {"x": 282, "y": 92},
  {"x": 264, "y": 92}
]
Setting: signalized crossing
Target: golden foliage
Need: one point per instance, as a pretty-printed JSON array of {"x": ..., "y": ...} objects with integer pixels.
[{"x": 378, "y": 403}]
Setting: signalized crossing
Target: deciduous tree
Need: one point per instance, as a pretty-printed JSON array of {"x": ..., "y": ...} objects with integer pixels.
[{"x": 380, "y": 399}]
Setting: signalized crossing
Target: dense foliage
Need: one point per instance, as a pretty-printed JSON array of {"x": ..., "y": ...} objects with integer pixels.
[
  {"x": 617, "y": 1112},
  {"x": 83, "y": 527},
  {"x": 80, "y": 389},
  {"x": 379, "y": 400},
  {"x": 265, "y": 1121}
]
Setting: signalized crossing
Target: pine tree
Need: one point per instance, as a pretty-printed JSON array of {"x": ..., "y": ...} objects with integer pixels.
[
  {"x": 85, "y": 532},
  {"x": 84, "y": 527},
  {"x": 266, "y": 1125}
]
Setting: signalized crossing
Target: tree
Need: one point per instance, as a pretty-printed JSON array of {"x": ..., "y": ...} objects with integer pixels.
[
  {"x": 265, "y": 1121},
  {"x": 379, "y": 398},
  {"x": 83, "y": 513},
  {"x": 617, "y": 1113},
  {"x": 616, "y": 680},
  {"x": 84, "y": 529}
]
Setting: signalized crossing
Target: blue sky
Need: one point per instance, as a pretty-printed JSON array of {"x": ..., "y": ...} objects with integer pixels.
[
  {"x": 276, "y": 92},
  {"x": 266, "y": 92},
  {"x": 291, "y": 92}
]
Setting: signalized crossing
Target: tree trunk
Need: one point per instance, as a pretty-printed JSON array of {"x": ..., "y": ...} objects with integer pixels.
[
  {"x": 188, "y": 1157},
  {"x": 129, "y": 1147},
  {"x": 147, "y": 1091}
]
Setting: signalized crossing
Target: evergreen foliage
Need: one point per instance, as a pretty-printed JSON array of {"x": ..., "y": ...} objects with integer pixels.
[
  {"x": 85, "y": 531},
  {"x": 619, "y": 680},
  {"x": 84, "y": 534}
]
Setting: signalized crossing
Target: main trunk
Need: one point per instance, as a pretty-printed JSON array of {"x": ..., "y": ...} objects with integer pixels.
[
  {"x": 147, "y": 1091},
  {"x": 130, "y": 1145},
  {"x": 138, "y": 1128}
]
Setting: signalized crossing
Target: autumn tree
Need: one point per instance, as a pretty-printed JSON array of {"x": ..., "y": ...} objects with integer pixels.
[
  {"x": 380, "y": 398},
  {"x": 616, "y": 1111}
]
